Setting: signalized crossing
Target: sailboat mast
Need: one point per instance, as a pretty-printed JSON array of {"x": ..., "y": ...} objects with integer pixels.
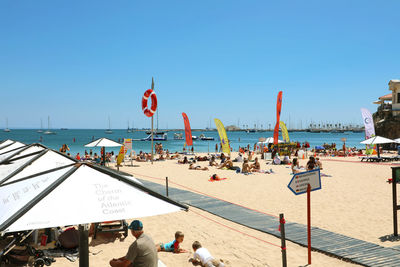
[{"x": 48, "y": 123}]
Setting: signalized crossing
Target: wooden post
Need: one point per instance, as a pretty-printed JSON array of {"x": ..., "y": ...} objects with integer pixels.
[
  {"x": 83, "y": 246},
  {"x": 394, "y": 195},
  {"x": 152, "y": 139},
  {"x": 166, "y": 185},
  {"x": 309, "y": 222},
  {"x": 283, "y": 240}
]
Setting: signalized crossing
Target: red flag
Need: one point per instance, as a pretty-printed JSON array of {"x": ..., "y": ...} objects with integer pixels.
[
  {"x": 188, "y": 131},
  {"x": 278, "y": 117}
]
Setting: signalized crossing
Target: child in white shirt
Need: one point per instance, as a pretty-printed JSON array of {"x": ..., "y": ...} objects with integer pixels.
[{"x": 203, "y": 257}]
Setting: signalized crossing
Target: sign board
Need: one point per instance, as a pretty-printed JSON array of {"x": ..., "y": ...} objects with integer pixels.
[
  {"x": 299, "y": 183},
  {"x": 127, "y": 144}
]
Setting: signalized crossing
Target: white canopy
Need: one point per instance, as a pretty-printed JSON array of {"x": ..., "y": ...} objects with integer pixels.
[
  {"x": 377, "y": 140},
  {"x": 4, "y": 148},
  {"x": 76, "y": 194},
  {"x": 270, "y": 140},
  {"x": 103, "y": 142}
]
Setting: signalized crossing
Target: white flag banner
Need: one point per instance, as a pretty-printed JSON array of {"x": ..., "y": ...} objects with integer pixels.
[{"x": 368, "y": 123}]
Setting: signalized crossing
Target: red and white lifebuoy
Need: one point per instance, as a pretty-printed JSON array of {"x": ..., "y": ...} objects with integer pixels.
[{"x": 149, "y": 112}]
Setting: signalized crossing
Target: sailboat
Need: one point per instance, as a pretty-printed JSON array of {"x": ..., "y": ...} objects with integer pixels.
[
  {"x": 48, "y": 132},
  {"x": 6, "y": 129},
  {"x": 129, "y": 130},
  {"x": 109, "y": 131},
  {"x": 41, "y": 127}
]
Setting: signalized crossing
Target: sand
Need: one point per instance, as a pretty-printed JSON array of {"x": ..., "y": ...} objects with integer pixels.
[{"x": 355, "y": 201}]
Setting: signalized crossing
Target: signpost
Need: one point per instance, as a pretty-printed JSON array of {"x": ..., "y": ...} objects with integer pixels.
[{"x": 305, "y": 182}]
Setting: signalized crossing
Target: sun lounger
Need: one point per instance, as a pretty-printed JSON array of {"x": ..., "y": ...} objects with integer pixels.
[{"x": 114, "y": 226}]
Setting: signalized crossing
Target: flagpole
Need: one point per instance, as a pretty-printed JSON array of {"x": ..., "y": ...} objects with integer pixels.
[{"x": 152, "y": 139}]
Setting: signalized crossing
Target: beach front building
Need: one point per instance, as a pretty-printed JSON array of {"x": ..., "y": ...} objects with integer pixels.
[{"x": 387, "y": 116}]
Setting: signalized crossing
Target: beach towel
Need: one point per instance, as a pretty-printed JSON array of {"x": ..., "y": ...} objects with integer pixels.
[{"x": 215, "y": 177}]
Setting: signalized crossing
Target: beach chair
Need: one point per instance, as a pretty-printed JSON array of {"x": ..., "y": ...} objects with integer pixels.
[{"x": 112, "y": 226}]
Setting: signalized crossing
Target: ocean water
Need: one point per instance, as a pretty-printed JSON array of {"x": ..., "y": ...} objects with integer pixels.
[{"x": 237, "y": 139}]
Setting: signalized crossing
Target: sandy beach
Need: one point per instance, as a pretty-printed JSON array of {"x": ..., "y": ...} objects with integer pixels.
[{"x": 347, "y": 204}]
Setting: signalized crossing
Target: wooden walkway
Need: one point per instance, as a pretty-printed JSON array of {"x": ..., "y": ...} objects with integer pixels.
[{"x": 341, "y": 246}]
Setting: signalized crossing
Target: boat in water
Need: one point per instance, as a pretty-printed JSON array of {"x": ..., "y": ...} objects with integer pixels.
[
  {"x": 194, "y": 137},
  {"x": 178, "y": 136},
  {"x": 108, "y": 131},
  {"x": 7, "y": 130},
  {"x": 206, "y": 138},
  {"x": 48, "y": 132},
  {"x": 156, "y": 137}
]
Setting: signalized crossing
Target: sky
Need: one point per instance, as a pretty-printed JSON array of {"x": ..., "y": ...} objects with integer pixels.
[{"x": 80, "y": 62}]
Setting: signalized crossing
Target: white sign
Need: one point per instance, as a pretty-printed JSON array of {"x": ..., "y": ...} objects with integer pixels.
[{"x": 300, "y": 181}]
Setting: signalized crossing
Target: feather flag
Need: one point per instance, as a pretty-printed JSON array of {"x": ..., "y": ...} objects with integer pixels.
[{"x": 278, "y": 117}]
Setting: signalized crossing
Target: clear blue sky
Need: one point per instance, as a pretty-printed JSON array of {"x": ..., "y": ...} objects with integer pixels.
[{"x": 82, "y": 61}]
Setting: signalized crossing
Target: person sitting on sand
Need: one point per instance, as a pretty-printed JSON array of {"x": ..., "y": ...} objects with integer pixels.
[
  {"x": 184, "y": 161},
  {"x": 173, "y": 246},
  {"x": 285, "y": 160},
  {"x": 142, "y": 252},
  {"x": 213, "y": 162},
  {"x": 223, "y": 158},
  {"x": 203, "y": 257},
  {"x": 227, "y": 164},
  {"x": 245, "y": 166},
  {"x": 239, "y": 158},
  {"x": 276, "y": 160},
  {"x": 255, "y": 167},
  {"x": 318, "y": 163},
  {"x": 296, "y": 166},
  {"x": 250, "y": 156},
  {"x": 311, "y": 164},
  {"x": 200, "y": 158}
]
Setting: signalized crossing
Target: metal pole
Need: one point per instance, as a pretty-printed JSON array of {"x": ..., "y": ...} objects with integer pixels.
[
  {"x": 309, "y": 222},
  {"x": 283, "y": 240},
  {"x": 83, "y": 246},
  {"x": 394, "y": 195},
  {"x": 152, "y": 119},
  {"x": 166, "y": 185}
]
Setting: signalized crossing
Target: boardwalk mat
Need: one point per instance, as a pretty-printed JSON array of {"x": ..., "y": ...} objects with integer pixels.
[{"x": 338, "y": 245}]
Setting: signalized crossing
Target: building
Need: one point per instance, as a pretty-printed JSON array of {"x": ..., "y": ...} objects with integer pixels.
[{"x": 387, "y": 116}]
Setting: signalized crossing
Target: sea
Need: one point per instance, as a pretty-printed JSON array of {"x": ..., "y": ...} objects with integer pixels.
[{"x": 76, "y": 139}]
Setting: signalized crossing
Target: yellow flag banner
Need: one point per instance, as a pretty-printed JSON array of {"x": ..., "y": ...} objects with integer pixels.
[
  {"x": 121, "y": 155},
  {"x": 285, "y": 134},
  {"x": 223, "y": 137}
]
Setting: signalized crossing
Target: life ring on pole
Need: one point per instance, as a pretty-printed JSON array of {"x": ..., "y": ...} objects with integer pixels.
[{"x": 149, "y": 112}]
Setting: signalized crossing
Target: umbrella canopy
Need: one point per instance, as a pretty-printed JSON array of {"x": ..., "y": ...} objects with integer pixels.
[
  {"x": 103, "y": 142},
  {"x": 76, "y": 194},
  {"x": 270, "y": 140},
  {"x": 377, "y": 140},
  {"x": 10, "y": 145}
]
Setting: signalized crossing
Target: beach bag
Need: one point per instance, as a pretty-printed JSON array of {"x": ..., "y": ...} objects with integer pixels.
[{"x": 69, "y": 238}]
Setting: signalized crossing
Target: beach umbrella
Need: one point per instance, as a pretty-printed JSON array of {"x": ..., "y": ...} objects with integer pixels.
[
  {"x": 76, "y": 194},
  {"x": 377, "y": 140},
  {"x": 103, "y": 142}
]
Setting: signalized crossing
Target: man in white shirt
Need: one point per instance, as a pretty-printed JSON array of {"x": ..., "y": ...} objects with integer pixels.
[{"x": 202, "y": 256}]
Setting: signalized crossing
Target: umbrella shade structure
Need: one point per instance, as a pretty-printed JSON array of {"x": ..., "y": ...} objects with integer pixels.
[
  {"x": 9, "y": 146},
  {"x": 103, "y": 142},
  {"x": 376, "y": 140},
  {"x": 43, "y": 188},
  {"x": 75, "y": 194}
]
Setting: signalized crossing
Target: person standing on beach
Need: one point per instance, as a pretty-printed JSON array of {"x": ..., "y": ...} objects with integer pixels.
[{"x": 141, "y": 253}]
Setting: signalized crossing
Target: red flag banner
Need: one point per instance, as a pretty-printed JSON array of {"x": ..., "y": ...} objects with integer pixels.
[
  {"x": 278, "y": 117},
  {"x": 188, "y": 131}
]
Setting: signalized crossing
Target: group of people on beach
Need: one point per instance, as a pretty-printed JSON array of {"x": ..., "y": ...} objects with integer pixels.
[{"x": 143, "y": 251}]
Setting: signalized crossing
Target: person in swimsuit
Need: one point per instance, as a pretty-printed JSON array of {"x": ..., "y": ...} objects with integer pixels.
[{"x": 173, "y": 246}]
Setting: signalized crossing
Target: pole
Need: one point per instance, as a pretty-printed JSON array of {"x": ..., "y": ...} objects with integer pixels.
[
  {"x": 83, "y": 246},
  {"x": 166, "y": 185},
  {"x": 394, "y": 195},
  {"x": 283, "y": 240},
  {"x": 152, "y": 119},
  {"x": 309, "y": 222}
]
